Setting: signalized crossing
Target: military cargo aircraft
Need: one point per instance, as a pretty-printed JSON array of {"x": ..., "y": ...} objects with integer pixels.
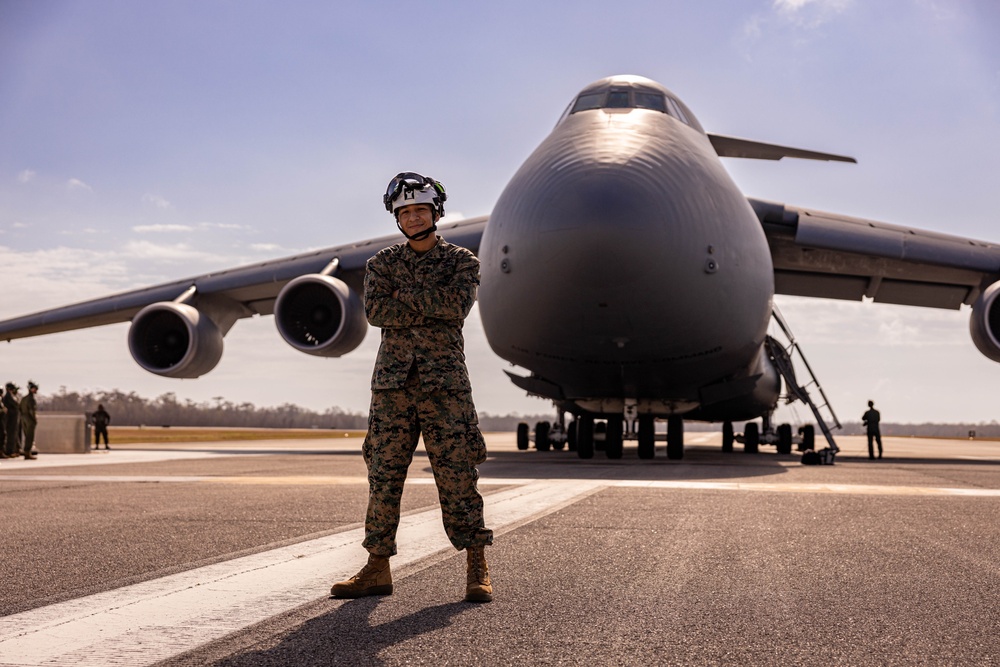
[{"x": 621, "y": 267}]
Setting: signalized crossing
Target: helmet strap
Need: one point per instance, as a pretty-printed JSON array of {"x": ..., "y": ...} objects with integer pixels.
[{"x": 419, "y": 236}]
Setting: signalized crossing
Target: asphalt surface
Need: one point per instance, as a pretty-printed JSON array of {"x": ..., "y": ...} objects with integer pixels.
[{"x": 716, "y": 559}]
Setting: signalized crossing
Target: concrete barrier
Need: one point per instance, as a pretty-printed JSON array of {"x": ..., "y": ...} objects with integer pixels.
[{"x": 62, "y": 433}]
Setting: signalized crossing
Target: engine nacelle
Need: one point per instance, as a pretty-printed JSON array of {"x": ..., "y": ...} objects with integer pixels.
[
  {"x": 320, "y": 315},
  {"x": 984, "y": 325},
  {"x": 175, "y": 340}
]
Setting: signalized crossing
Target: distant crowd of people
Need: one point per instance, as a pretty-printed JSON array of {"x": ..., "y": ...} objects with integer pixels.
[{"x": 19, "y": 420}]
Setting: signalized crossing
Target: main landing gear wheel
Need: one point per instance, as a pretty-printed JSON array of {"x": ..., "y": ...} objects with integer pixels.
[
  {"x": 571, "y": 436},
  {"x": 600, "y": 429},
  {"x": 542, "y": 436},
  {"x": 522, "y": 436},
  {"x": 728, "y": 437},
  {"x": 675, "y": 438},
  {"x": 585, "y": 437},
  {"x": 613, "y": 445},
  {"x": 808, "y": 437},
  {"x": 751, "y": 438},
  {"x": 785, "y": 439},
  {"x": 647, "y": 436}
]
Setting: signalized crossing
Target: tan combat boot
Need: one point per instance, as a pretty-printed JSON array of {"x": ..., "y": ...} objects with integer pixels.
[
  {"x": 375, "y": 578},
  {"x": 477, "y": 581}
]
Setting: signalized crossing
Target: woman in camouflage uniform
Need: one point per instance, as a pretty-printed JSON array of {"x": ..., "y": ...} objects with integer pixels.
[{"x": 419, "y": 293}]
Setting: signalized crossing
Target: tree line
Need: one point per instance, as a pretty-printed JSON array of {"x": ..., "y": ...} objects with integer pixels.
[{"x": 131, "y": 409}]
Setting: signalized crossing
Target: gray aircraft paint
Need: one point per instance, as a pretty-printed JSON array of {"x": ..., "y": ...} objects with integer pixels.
[{"x": 624, "y": 279}]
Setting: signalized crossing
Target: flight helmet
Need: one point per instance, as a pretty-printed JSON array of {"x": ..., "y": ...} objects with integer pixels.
[{"x": 408, "y": 188}]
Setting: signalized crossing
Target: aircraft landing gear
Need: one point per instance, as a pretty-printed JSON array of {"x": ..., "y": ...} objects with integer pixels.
[
  {"x": 613, "y": 441},
  {"x": 647, "y": 436},
  {"x": 542, "y": 436},
  {"x": 728, "y": 437},
  {"x": 751, "y": 438},
  {"x": 522, "y": 436},
  {"x": 784, "y": 443},
  {"x": 675, "y": 438},
  {"x": 585, "y": 437}
]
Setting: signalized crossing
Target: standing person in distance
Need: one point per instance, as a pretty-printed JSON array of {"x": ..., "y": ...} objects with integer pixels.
[
  {"x": 101, "y": 419},
  {"x": 871, "y": 420},
  {"x": 4, "y": 454},
  {"x": 29, "y": 420},
  {"x": 13, "y": 420},
  {"x": 419, "y": 294}
]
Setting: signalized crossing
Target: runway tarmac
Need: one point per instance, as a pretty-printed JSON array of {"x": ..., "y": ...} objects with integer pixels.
[{"x": 223, "y": 554}]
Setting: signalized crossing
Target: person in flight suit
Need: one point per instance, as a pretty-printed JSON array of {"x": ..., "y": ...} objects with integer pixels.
[
  {"x": 3, "y": 428},
  {"x": 871, "y": 420},
  {"x": 101, "y": 419},
  {"x": 29, "y": 420},
  {"x": 13, "y": 420},
  {"x": 419, "y": 293}
]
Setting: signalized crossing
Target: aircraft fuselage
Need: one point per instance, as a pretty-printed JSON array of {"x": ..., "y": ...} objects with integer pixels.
[{"x": 622, "y": 262}]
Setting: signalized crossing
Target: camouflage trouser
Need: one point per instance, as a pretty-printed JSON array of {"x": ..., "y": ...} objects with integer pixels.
[{"x": 454, "y": 446}]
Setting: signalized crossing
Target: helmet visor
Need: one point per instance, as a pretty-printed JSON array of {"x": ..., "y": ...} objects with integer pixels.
[{"x": 406, "y": 180}]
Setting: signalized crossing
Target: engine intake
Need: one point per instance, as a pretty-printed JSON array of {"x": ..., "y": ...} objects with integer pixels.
[
  {"x": 175, "y": 340},
  {"x": 320, "y": 315},
  {"x": 984, "y": 325}
]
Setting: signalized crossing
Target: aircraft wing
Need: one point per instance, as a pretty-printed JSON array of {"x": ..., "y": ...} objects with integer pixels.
[
  {"x": 248, "y": 290},
  {"x": 834, "y": 256}
]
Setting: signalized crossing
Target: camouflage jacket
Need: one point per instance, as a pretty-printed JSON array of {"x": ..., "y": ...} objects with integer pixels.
[{"x": 422, "y": 326}]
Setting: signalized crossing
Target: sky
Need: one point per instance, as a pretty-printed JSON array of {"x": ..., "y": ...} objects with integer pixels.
[{"x": 148, "y": 142}]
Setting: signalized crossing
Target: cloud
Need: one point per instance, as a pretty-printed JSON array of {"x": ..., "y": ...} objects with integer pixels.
[
  {"x": 143, "y": 229},
  {"x": 77, "y": 184},
  {"x": 170, "y": 253},
  {"x": 224, "y": 225},
  {"x": 26, "y": 176},
  {"x": 56, "y": 276},
  {"x": 265, "y": 247},
  {"x": 156, "y": 200},
  {"x": 810, "y": 13},
  {"x": 20, "y": 225}
]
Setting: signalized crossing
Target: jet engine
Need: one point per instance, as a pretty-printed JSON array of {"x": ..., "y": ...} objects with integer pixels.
[
  {"x": 320, "y": 315},
  {"x": 984, "y": 325},
  {"x": 175, "y": 340}
]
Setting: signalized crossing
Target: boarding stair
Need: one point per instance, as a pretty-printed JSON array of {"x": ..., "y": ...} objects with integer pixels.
[{"x": 782, "y": 355}]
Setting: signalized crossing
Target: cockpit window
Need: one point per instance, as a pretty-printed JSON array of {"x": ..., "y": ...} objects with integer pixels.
[
  {"x": 654, "y": 101},
  {"x": 618, "y": 98},
  {"x": 588, "y": 101},
  {"x": 632, "y": 97},
  {"x": 676, "y": 111}
]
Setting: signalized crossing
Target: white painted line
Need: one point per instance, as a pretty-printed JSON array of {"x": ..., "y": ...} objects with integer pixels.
[
  {"x": 291, "y": 480},
  {"x": 154, "y": 620},
  {"x": 785, "y": 487},
  {"x": 119, "y": 456}
]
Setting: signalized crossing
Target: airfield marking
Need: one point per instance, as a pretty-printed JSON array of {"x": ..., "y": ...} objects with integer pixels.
[
  {"x": 315, "y": 480},
  {"x": 154, "y": 620}
]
